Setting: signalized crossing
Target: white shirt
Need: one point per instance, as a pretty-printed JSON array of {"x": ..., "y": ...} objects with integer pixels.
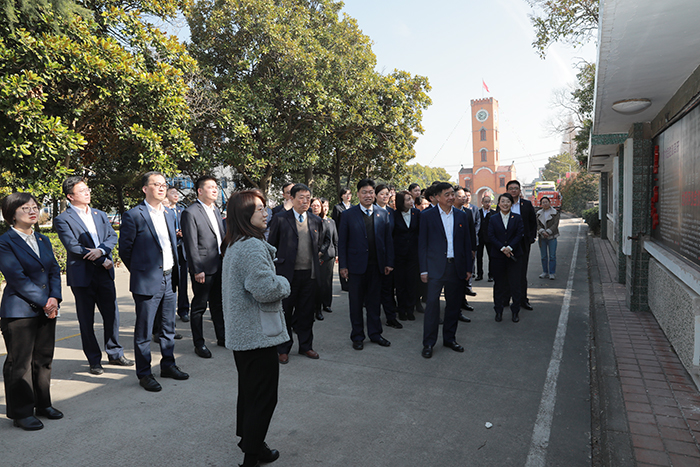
[
  {"x": 407, "y": 217},
  {"x": 86, "y": 217},
  {"x": 214, "y": 223},
  {"x": 505, "y": 218},
  {"x": 158, "y": 218},
  {"x": 448, "y": 223},
  {"x": 367, "y": 211},
  {"x": 30, "y": 239},
  {"x": 302, "y": 215},
  {"x": 515, "y": 208}
]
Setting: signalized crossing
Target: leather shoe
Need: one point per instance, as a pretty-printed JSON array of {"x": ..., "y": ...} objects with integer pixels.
[
  {"x": 402, "y": 316},
  {"x": 283, "y": 358},
  {"x": 419, "y": 307},
  {"x": 50, "y": 413},
  {"x": 203, "y": 351},
  {"x": 490, "y": 279},
  {"x": 411, "y": 316},
  {"x": 427, "y": 351},
  {"x": 185, "y": 318},
  {"x": 319, "y": 316},
  {"x": 527, "y": 306},
  {"x": 470, "y": 292},
  {"x": 96, "y": 369},
  {"x": 310, "y": 353},
  {"x": 383, "y": 342},
  {"x": 121, "y": 361},
  {"x": 479, "y": 278},
  {"x": 464, "y": 319},
  {"x": 515, "y": 318},
  {"x": 268, "y": 455},
  {"x": 358, "y": 345},
  {"x": 327, "y": 309},
  {"x": 173, "y": 372},
  {"x": 499, "y": 317},
  {"x": 392, "y": 323},
  {"x": 30, "y": 423},
  {"x": 467, "y": 306},
  {"x": 149, "y": 383},
  {"x": 454, "y": 346},
  {"x": 177, "y": 336}
]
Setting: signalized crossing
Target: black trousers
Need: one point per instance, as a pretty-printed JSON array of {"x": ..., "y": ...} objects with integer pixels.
[
  {"x": 258, "y": 380},
  {"x": 183, "y": 300},
  {"x": 454, "y": 294},
  {"x": 299, "y": 312},
  {"x": 208, "y": 292},
  {"x": 100, "y": 292},
  {"x": 506, "y": 283},
  {"x": 480, "y": 260},
  {"x": 365, "y": 289},
  {"x": 27, "y": 370},
  {"x": 524, "y": 261},
  {"x": 387, "y": 296},
  {"x": 149, "y": 308},
  {"x": 406, "y": 279},
  {"x": 324, "y": 289}
]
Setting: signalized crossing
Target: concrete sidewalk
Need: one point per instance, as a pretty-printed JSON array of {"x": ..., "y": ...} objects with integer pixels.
[{"x": 649, "y": 407}]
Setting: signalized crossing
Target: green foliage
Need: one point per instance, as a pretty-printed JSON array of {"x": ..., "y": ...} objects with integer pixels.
[
  {"x": 559, "y": 165},
  {"x": 590, "y": 216},
  {"x": 582, "y": 97},
  {"x": 425, "y": 176},
  {"x": 572, "y": 22},
  {"x": 578, "y": 191}
]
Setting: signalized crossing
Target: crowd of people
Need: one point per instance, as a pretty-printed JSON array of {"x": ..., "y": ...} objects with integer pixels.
[{"x": 266, "y": 275}]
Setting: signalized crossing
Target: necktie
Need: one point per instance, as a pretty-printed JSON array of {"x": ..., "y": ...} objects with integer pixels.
[
  {"x": 301, "y": 218},
  {"x": 367, "y": 212}
]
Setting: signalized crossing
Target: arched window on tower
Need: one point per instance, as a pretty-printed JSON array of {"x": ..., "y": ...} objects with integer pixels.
[
  {"x": 484, "y": 155},
  {"x": 483, "y": 134}
]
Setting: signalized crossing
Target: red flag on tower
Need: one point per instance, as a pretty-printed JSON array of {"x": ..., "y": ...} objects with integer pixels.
[{"x": 484, "y": 84}]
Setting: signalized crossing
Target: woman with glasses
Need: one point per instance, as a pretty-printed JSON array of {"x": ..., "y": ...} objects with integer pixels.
[{"x": 28, "y": 313}]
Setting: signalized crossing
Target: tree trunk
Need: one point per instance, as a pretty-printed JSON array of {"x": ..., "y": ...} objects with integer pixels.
[
  {"x": 309, "y": 176},
  {"x": 120, "y": 200}
]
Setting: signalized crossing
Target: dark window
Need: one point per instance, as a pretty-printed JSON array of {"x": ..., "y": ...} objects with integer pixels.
[
  {"x": 484, "y": 155},
  {"x": 502, "y": 182},
  {"x": 483, "y": 134}
]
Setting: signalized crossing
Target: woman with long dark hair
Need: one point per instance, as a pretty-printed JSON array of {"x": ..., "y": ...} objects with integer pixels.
[{"x": 252, "y": 295}]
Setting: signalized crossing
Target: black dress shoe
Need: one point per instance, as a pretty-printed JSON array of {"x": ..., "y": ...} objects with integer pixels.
[
  {"x": 479, "y": 278},
  {"x": 268, "y": 455},
  {"x": 185, "y": 318},
  {"x": 470, "y": 292},
  {"x": 392, "y": 323},
  {"x": 50, "y": 413},
  {"x": 319, "y": 316},
  {"x": 327, "y": 309},
  {"x": 121, "y": 361},
  {"x": 149, "y": 383},
  {"x": 499, "y": 316},
  {"x": 419, "y": 307},
  {"x": 358, "y": 345},
  {"x": 454, "y": 346},
  {"x": 427, "y": 351},
  {"x": 467, "y": 306},
  {"x": 203, "y": 351},
  {"x": 221, "y": 342},
  {"x": 30, "y": 423},
  {"x": 96, "y": 369},
  {"x": 515, "y": 318},
  {"x": 410, "y": 316},
  {"x": 402, "y": 316},
  {"x": 490, "y": 279},
  {"x": 464, "y": 319},
  {"x": 177, "y": 336},
  {"x": 383, "y": 342},
  {"x": 173, "y": 372},
  {"x": 527, "y": 306}
]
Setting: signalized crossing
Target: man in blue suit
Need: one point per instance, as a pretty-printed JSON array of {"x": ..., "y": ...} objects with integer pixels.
[
  {"x": 365, "y": 252},
  {"x": 147, "y": 245},
  {"x": 89, "y": 239},
  {"x": 445, "y": 257}
]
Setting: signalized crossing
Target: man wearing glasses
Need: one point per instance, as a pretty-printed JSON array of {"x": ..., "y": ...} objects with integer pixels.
[
  {"x": 89, "y": 239},
  {"x": 147, "y": 245}
]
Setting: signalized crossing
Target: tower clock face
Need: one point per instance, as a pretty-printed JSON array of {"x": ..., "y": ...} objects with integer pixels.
[{"x": 482, "y": 115}]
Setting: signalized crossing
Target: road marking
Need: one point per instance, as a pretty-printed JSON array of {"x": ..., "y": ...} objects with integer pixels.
[{"x": 543, "y": 424}]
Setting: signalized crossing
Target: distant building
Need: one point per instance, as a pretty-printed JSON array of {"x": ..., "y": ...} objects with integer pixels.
[{"x": 486, "y": 175}]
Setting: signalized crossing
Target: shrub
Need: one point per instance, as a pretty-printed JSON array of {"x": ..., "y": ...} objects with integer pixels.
[{"x": 590, "y": 216}]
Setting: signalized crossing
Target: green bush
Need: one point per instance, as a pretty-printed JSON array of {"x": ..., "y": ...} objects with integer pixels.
[{"x": 590, "y": 216}]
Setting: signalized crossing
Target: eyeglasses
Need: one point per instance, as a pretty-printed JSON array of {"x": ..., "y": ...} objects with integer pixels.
[
  {"x": 159, "y": 185},
  {"x": 29, "y": 209},
  {"x": 84, "y": 191}
]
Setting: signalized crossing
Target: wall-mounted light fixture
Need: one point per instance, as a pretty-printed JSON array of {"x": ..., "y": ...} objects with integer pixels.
[{"x": 631, "y": 106}]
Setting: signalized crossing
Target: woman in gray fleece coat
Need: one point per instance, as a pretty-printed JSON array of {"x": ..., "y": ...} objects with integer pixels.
[{"x": 252, "y": 295}]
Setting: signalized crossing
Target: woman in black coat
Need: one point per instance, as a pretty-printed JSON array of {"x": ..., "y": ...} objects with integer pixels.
[
  {"x": 406, "y": 269},
  {"x": 329, "y": 249},
  {"x": 505, "y": 243}
]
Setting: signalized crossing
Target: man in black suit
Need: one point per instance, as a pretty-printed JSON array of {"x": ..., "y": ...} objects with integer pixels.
[
  {"x": 297, "y": 235},
  {"x": 345, "y": 196},
  {"x": 365, "y": 253},
  {"x": 462, "y": 198},
  {"x": 202, "y": 231},
  {"x": 286, "y": 199},
  {"x": 147, "y": 245},
  {"x": 89, "y": 240},
  {"x": 527, "y": 213},
  {"x": 484, "y": 214},
  {"x": 183, "y": 301}
]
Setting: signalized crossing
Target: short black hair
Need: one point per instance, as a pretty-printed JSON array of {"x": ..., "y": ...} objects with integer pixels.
[
  {"x": 440, "y": 187},
  {"x": 456, "y": 188},
  {"x": 466, "y": 190},
  {"x": 381, "y": 187},
  {"x": 342, "y": 191},
  {"x": 11, "y": 203},
  {"x": 147, "y": 176},
  {"x": 297, "y": 188},
  {"x": 365, "y": 182},
  {"x": 412, "y": 186},
  {"x": 429, "y": 192},
  {"x": 286, "y": 185},
  {"x": 512, "y": 182},
  {"x": 420, "y": 199},
  {"x": 70, "y": 182},
  {"x": 505, "y": 195},
  {"x": 202, "y": 180}
]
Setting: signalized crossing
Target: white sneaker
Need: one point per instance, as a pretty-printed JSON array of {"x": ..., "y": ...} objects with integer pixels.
[
  {"x": 551, "y": 277},
  {"x": 544, "y": 275}
]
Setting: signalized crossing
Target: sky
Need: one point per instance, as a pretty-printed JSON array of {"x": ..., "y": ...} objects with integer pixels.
[{"x": 457, "y": 44}]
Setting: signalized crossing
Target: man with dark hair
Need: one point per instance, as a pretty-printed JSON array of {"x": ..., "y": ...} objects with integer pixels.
[
  {"x": 527, "y": 213},
  {"x": 202, "y": 231},
  {"x": 345, "y": 195},
  {"x": 286, "y": 204},
  {"x": 172, "y": 196},
  {"x": 89, "y": 240},
  {"x": 147, "y": 245},
  {"x": 445, "y": 256},
  {"x": 461, "y": 203},
  {"x": 484, "y": 214},
  {"x": 366, "y": 252},
  {"x": 297, "y": 235}
]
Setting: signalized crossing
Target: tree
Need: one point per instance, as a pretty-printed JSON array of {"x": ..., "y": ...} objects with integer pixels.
[
  {"x": 572, "y": 22},
  {"x": 578, "y": 191},
  {"x": 559, "y": 165},
  {"x": 425, "y": 176}
]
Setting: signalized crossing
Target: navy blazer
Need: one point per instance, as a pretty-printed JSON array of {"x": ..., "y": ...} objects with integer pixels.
[
  {"x": 199, "y": 239},
  {"x": 483, "y": 233},
  {"x": 141, "y": 252},
  {"x": 75, "y": 237},
  {"x": 527, "y": 212},
  {"x": 329, "y": 246},
  {"x": 406, "y": 237},
  {"x": 432, "y": 243},
  {"x": 285, "y": 237},
  {"x": 499, "y": 236},
  {"x": 353, "y": 247},
  {"x": 31, "y": 279}
]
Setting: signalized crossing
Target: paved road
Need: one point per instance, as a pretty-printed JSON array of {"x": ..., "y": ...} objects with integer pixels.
[{"x": 377, "y": 407}]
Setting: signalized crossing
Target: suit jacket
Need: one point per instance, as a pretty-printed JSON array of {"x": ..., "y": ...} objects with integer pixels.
[
  {"x": 199, "y": 239},
  {"x": 527, "y": 212},
  {"x": 31, "y": 279},
  {"x": 338, "y": 210},
  {"x": 432, "y": 243},
  {"x": 483, "y": 233},
  {"x": 285, "y": 237},
  {"x": 475, "y": 215},
  {"x": 471, "y": 220},
  {"x": 178, "y": 222},
  {"x": 406, "y": 237},
  {"x": 353, "y": 246},
  {"x": 141, "y": 251},
  {"x": 499, "y": 236},
  {"x": 329, "y": 247},
  {"x": 74, "y": 235}
]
